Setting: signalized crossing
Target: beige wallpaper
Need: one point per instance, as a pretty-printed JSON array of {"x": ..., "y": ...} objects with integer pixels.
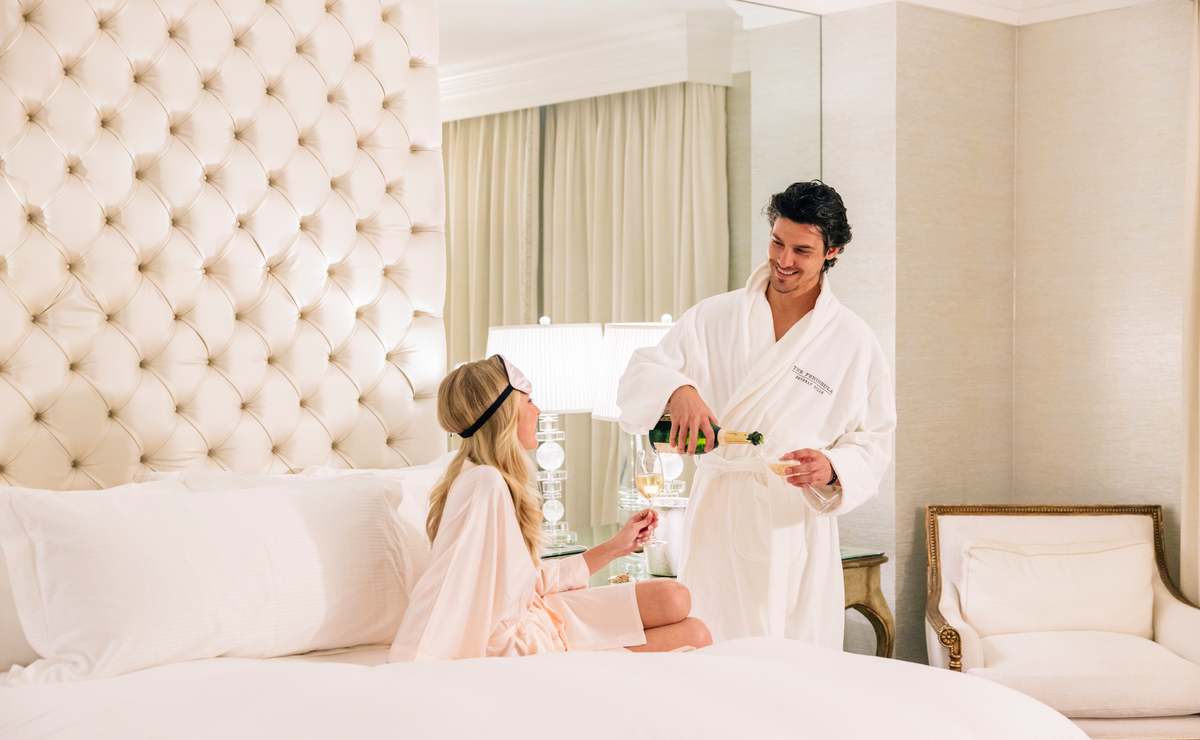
[
  {"x": 954, "y": 252},
  {"x": 737, "y": 164},
  {"x": 858, "y": 52},
  {"x": 1099, "y": 224},
  {"x": 785, "y": 115}
]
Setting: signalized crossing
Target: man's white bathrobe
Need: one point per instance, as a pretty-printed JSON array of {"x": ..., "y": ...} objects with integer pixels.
[{"x": 761, "y": 556}]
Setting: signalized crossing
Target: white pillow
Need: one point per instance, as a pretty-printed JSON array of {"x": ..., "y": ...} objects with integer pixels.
[
  {"x": 14, "y": 648},
  {"x": 1101, "y": 586},
  {"x": 107, "y": 583},
  {"x": 418, "y": 482}
]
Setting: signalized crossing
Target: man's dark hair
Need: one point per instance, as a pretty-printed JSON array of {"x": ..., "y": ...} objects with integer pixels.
[{"x": 817, "y": 204}]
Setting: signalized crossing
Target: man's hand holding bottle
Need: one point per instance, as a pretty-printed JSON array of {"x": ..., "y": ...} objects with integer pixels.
[{"x": 690, "y": 416}]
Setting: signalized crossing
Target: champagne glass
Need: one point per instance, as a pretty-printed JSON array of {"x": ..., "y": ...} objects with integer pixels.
[
  {"x": 648, "y": 475},
  {"x": 648, "y": 478}
]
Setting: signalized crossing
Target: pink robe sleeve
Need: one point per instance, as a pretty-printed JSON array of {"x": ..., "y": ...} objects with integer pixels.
[
  {"x": 479, "y": 569},
  {"x": 563, "y": 574}
]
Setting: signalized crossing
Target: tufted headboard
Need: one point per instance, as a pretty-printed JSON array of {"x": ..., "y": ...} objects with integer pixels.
[{"x": 220, "y": 236}]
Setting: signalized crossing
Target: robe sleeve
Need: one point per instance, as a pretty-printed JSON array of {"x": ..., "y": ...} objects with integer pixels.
[
  {"x": 563, "y": 574},
  {"x": 473, "y": 574},
  {"x": 861, "y": 456},
  {"x": 653, "y": 374}
]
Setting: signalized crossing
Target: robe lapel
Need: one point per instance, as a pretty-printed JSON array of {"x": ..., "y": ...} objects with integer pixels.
[{"x": 763, "y": 372}]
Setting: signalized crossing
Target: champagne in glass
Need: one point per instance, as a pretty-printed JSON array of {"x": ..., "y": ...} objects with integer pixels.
[{"x": 649, "y": 484}]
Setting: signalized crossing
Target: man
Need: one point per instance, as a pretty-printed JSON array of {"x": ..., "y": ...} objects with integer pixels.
[{"x": 783, "y": 357}]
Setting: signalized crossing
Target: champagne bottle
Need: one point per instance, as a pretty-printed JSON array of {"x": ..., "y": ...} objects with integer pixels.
[{"x": 660, "y": 437}]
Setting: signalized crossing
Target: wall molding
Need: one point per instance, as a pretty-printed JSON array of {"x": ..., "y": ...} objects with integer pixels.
[{"x": 684, "y": 47}]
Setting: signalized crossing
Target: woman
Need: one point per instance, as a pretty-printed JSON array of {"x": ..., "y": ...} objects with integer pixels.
[{"x": 486, "y": 591}]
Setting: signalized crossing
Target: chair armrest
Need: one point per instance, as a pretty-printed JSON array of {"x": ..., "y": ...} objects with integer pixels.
[
  {"x": 945, "y": 621},
  {"x": 1176, "y": 624}
]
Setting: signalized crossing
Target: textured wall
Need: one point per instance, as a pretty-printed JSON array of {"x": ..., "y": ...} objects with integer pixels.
[
  {"x": 1099, "y": 224},
  {"x": 954, "y": 252},
  {"x": 785, "y": 116},
  {"x": 859, "y": 159}
]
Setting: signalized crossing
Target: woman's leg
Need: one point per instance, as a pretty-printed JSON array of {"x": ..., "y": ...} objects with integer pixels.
[
  {"x": 662, "y": 602},
  {"x": 664, "y": 606},
  {"x": 689, "y": 632}
]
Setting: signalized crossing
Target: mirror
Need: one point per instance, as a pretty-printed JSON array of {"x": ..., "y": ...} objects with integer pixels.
[{"x": 529, "y": 85}]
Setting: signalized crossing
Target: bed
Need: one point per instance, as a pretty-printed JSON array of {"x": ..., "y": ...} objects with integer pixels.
[
  {"x": 753, "y": 688},
  {"x": 221, "y": 251}
]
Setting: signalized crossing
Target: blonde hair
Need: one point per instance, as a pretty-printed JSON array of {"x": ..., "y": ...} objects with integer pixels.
[{"x": 463, "y": 396}]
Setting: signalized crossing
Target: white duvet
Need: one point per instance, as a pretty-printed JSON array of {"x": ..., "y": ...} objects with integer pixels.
[{"x": 755, "y": 688}]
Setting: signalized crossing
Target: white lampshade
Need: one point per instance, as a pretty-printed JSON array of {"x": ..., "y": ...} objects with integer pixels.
[
  {"x": 558, "y": 359},
  {"x": 620, "y": 341}
]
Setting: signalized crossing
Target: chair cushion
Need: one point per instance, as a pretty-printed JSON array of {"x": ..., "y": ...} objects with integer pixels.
[
  {"x": 1094, "y": 674},
  {"x": 1017, "y": 588}
]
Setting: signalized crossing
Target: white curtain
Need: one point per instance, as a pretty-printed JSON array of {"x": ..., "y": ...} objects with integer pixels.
[
  {"x": 492, "y": 171},
  {"x": 1190, "y": 565},
  {"x": 635, "y": 225}
]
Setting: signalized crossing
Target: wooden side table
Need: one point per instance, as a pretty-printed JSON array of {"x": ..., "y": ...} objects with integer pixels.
[{"x": 860, "y": 573}]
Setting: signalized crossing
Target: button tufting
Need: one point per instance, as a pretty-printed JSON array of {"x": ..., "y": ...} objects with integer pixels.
[
  {"x": 74, "y": 464},
  {"x": 142, "y": 459},
  {"x": 37, "y": 416},
  {"x": 111, "y": 414},
  {"x": 142, "y": 364},
  {"x": 72, "y": 367}
]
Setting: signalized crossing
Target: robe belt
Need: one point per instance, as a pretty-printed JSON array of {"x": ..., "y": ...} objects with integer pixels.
[{"x": 714, "y": 466}]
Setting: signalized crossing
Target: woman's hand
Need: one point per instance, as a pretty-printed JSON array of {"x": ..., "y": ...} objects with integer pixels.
[{"x": 634, "y": 534}]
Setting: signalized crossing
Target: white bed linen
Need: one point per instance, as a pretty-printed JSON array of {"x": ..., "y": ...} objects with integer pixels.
[{"x": 756, "y": 688}]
